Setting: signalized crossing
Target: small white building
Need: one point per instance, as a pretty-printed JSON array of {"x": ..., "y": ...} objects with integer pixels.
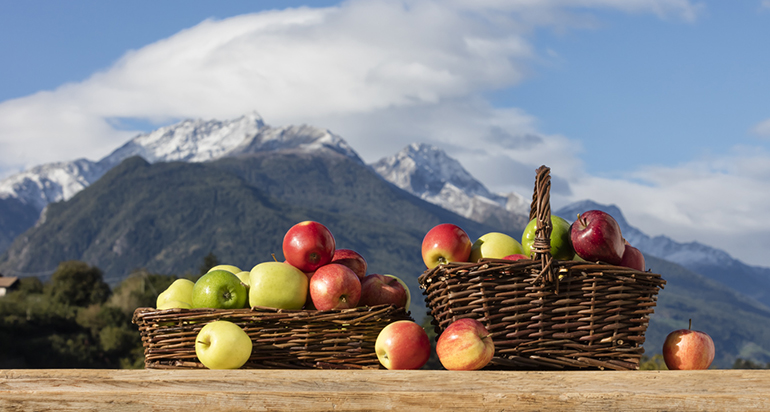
[{"x": 7, "y": 284}]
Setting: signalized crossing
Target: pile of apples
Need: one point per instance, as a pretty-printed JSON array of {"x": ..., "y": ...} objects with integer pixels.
[{"x": 594, "y": 236}]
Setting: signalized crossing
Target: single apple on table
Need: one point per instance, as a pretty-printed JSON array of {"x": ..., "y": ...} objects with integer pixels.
[
  {"x": 494, "y": 245},
  {"x": 177, "y": 295},
  {"x": 223, "y": 345},
  {"x": 445, "y": 243},
  {"x": 687, "y": 349},
  {"x": 351, "y": 259},
  {"x": 308, "y": 245},
  {"x": 561, "y": 246},
  {"x": 465, "y": 345},
  {"x": 219, "y": 289},
  {"x": 383, "y": 290},
  {"x": 632, "y": 258},
  {"x": 277, "y": 285},
  {"x": 334, "y": 286},
  {"x": 402, "y": 345},
  {"x": 595, "y": 236}
]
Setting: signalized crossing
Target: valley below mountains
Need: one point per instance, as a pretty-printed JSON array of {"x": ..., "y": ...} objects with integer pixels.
[{"x": 167, "y": 198}]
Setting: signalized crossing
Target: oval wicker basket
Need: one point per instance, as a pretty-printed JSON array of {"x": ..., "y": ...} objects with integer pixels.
[
  {"x": 282, "y": 339},
  {"x": 544, "y": 313}
]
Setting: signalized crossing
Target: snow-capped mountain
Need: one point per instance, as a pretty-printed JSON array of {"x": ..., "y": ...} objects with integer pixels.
[
  {"x": 189, "y": 140},
  {"x": 430, "y": 174}
]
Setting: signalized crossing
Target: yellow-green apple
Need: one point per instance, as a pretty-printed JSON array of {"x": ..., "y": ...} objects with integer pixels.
[
  {"x": 308, "y": 245},
  {"x": 561, "y": 248},
  {"x": 230, "y": 268},
  {"x": 223, "y": 345},
  {"x": 351, "y": 259},
  {"x": 494, "y": 245},
  {"x": 465, "y": 345},
  {"x": 402, "y": 344},
  {"x": 219, "y": 289},
  {"x": 445, "y": 243},
  {"x": 383, "y": 290},
  {"x": 687, "y": 349},
  {"x": 244, "y": 277},
  {"x": 595, "y": 236},
  {"x": 277, "y": 285},
  {"x": 632, "y": 258},
  {"x": 176, "y": 295},
  {"x": 408, "y": 293},
  {"x": 334, "y": 286}
]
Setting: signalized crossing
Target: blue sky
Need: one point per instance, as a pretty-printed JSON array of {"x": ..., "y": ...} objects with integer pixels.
[{"x": 658, "y": 106}]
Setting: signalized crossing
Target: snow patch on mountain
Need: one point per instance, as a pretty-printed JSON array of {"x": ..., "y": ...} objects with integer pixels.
[
  {"x": 188, "y": 141},
  {"x": 430, "y": 174}
]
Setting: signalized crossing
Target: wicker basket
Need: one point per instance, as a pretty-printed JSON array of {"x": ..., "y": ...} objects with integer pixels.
[
  {"x": 545, "y": 313},
  {"x": 298, "y": 339}
]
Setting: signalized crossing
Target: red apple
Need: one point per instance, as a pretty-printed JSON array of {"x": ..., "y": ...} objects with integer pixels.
[
  {"x": 687, "y": 349},
  {"x": 595, "y": 236},
  {"x": 351, "y": 259},
  {"x": 445, "y": 243},
  {"x": 334, "y": 286},
  {"x": 516, "y": 257},
  {"x": 632, "y": 258},
  {"x": 382, "y": 290},
  {"x": 402, "y": 345},
  {"x": 465, "y": 345},
  {"x": 308, "y": 245}
]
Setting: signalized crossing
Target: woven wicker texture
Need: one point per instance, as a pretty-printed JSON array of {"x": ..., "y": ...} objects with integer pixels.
[
  {"x": 545, "y": 313},
  {"x": 304, "y": 339}
]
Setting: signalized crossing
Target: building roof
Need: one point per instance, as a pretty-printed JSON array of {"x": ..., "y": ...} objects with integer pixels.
[{"x": 7, "y": 281}]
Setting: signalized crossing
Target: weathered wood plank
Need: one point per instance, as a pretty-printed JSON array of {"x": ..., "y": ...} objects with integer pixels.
[{"x": 312, "y": 390}]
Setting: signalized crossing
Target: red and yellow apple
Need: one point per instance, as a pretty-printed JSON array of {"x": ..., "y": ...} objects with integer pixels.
[
  {"x": 465, "y": 345},
  {"x": 351, "y": 259},
  {"x": 334, "y": 286},
  {"x": 402, "y": 344},
  {"x": 687, "y": 349},
  {"x": 445, "y": 243},
  {"x": 308, "y": 245},
  {"x": 383, "y": 290}
]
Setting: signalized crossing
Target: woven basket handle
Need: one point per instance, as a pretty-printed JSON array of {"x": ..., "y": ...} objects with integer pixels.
[{"x": 541, "y": 211}]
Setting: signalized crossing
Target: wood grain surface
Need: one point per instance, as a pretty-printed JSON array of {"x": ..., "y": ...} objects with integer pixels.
[{"x": 381, "y": 390}]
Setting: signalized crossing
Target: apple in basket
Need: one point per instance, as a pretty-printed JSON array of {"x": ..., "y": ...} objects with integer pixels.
[
  {"x": 494, "y": 245},
  {"x": 595, "y": 236},
  {"x": 465, "y": 345},
  {"x": 561, "y": 246},
  {"x": 219, "y": 289},
  {"x": 277, "y": 285},
  {"x": 334, "y": 286},
  {"x": 687, "y": 349},
  {"x": 402, "y": 344},
  {"x": 223, "y": 345},
  {"x": 632, "y": 258},
  {"x": 445, "y": 243},
  {"x": 308, "y": 245},
  {"x": 177, "y": 295},
  {"x": 351, "y": 259},
  {"x": 383, "y": 290}
]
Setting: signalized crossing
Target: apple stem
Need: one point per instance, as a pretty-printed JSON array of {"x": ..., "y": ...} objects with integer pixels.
[
  {"x": 690, "y": 327},
  {"x": 273, "y": 255}
]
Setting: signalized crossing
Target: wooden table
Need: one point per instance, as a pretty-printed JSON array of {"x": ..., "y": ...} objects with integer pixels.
[{"x": 313, "y": 390}]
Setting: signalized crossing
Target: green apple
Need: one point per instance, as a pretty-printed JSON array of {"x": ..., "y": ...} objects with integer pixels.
[
  {"x": 223, "y": 345},
  {"x": 244, "y": 276},
  {"x": 494, "y": 245},
  {"x": 169, "y": 304},
  {"x": 230, "y": 268},
  {"x": 561, "y": 248},
  {"x": 406, "y": 288},
  {"x": 219, "y": 289},
  {"x": 277, "y": 285},
  {"x": 179, "y": 291}
]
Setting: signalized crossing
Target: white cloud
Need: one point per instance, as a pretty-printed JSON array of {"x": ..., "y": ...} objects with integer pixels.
[{"x": 762, "y": 129}]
